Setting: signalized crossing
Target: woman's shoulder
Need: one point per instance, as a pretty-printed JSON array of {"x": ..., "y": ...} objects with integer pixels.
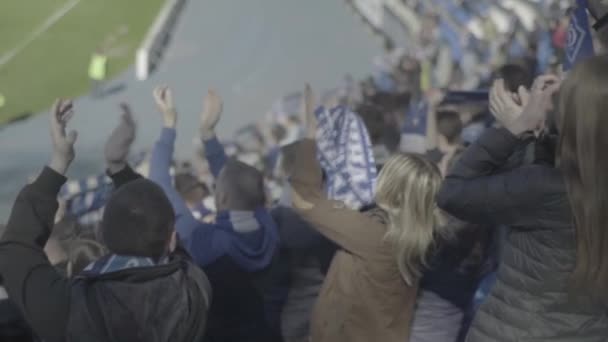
[{"x": 375, "y": 213}]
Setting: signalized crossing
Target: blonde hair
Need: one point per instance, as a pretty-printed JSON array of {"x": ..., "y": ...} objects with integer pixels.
[
  {"x": 582, "y": 122},
  {"x": 406, "y": 190}
]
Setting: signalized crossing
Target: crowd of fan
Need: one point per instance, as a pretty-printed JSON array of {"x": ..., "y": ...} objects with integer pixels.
[{"x": 398, "y": 209}]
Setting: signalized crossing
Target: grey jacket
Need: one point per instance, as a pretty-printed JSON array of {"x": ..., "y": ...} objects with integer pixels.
[{"x": 531, "y": 300}]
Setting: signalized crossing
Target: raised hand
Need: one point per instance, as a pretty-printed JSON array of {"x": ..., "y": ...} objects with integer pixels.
[
  {"x": 530, "y": 113},
  {"x": 504, "y": 105},
  {"x": 63, "y": 144},
  {"x": 309, "y": 113},
  {"x": 164, "y": 102},
  {"x": 211, "y": 114},
  {"x": 119, "y": 142}
]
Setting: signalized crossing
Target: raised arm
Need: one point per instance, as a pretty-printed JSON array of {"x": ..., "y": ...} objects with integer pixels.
[
  {"x": 40, "y": 292},
  {"x": 117, "y": 149},
  {"x": 210, "y": 117},
  {"x": 162, "y": 155},
  {"x": 350, "y": 229},
  {"x": 473, "y": 191}
]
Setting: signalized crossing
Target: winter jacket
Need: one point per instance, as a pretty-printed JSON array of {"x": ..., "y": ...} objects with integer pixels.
[
  {"x": 157, "y": 304},
  {"x": 309, "y": 255},
  {"x": 531, "y": 300},
  {"x": 239, "y": 253},
  {"x": 364, "y": 297}
]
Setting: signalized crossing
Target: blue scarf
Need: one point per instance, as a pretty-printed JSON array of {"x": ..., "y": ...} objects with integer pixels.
[
  {"x": 345, "y": 153},
  {"x": 114, "y": 263},
  {"x": 252, "y": 237}
]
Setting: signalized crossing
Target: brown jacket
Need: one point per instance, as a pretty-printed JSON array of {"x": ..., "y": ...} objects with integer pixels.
[{"x": 364, "y": 297}]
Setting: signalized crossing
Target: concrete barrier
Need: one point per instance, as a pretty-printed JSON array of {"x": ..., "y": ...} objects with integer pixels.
[{"x": 151, "y": 50}]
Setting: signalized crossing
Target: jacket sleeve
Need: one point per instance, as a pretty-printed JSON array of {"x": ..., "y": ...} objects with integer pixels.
[
  {"x": 215, "y": 155},
  {"x": 35, "y": 286},
  {"x": 196, "y": 237},
  {"x": 124, "y": 176},
  {"x": 294, "y": 232},
  {"x": 351, "y": 230},
  {"x": 474, "y": 191}
]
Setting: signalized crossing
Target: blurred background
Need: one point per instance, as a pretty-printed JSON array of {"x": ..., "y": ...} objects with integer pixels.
[{"x": 256, "y": 53}]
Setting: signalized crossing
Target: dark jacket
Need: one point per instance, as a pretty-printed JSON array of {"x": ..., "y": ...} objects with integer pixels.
[
  {"x": 531, "y": 300},
  {"x": 309, "y": 255},
  {"x": 12, "y": 325},
  {"x": 160, "y": 303},
  {"x": 241, "y": 259}
]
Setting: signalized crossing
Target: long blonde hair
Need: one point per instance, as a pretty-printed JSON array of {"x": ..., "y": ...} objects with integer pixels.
[
  {"x": 582, "y": 122},
  {"x": 406, "y": 190}
]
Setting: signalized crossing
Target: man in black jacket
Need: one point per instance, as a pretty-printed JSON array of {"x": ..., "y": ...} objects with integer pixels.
[{"x": 146, "y": 290}]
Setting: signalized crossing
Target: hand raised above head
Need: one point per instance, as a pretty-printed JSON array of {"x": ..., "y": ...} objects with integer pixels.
[
  {"x": 211, "y": 114},
  {"x": 63, "y": 144},
  {"x": 529, "y": 112},
  {"x": 119, "y": 142},
  {"x": 164, "y": 101},
  {"x": 309, "y": 113}
]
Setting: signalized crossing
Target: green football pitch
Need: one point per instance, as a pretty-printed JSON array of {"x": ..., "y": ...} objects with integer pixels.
[{"x": 46, "y": 45}]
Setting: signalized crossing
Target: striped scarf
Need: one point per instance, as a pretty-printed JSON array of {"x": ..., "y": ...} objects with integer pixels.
[{"x": 345, "y": 153}]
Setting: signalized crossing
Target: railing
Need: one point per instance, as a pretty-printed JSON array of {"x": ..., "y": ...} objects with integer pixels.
[{"x": 151, "y": 50}]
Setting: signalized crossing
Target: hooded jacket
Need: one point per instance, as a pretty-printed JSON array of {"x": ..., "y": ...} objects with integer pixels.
[
  {"x": 250, "y": 239},
  {"x": 156, "y": 304},
  {"x": 532, "y": 299},
  {"x": 239, "y": 252}
]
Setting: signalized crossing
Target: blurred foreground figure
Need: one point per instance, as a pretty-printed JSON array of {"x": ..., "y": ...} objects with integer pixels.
[
  {"x": 147, "y": 289},
  {"x": 553, "y": 274}
]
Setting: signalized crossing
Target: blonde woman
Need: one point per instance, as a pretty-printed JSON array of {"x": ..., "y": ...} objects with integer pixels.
[{"x": 370, "y": 290}]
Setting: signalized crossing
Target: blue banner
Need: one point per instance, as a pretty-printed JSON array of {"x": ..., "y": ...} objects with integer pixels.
[{"x": 580, "y": 43}]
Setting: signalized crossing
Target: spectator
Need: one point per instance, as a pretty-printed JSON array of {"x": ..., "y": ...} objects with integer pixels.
[
  {"x": 581, "y": 127},
  {"x": 515, "y": 76},
  {"x": 239, "y": 251},
  {"x": 370, "y": 290},
  {"x": 533, "y": 286},
  {"x": 194, "y": 192},
  {"x": 105, "y": 301},
  {"x": 81, "y": 253}
]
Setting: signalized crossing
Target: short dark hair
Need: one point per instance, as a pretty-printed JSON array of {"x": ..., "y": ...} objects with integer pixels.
[
  {"x": 187, "y": 183},
  {"x": 373, "y": 118},
  {"x": 138, "y": 220},
  {"x": 449, "y": 125},
  {"x": 81, "y": 252},
  {"x": 243, "y": 185},
  {"x": 515, "y": 76}
]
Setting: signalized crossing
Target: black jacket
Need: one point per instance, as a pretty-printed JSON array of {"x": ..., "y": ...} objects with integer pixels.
[
  {"x": 164, "y": 303},
  {"x": 531, "y": 300}
]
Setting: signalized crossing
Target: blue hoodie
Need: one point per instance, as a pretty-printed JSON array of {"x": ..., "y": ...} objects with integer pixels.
[{"x": 250, "y": 239}]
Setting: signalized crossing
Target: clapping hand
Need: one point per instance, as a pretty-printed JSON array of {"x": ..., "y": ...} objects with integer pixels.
[
  {"x": 211, "y": 114},
  {"x": 164, "y": 102},
  {"x": 63, "y": 144},
  {"x": 527, "y": 111},
  {"x": 119, "y": 143}
]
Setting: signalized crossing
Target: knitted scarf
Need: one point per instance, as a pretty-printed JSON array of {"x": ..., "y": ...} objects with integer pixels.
[{"x": 345, "y": 153}]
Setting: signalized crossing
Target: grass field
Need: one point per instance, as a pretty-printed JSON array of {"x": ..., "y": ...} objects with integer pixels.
[{"x": 55, "y": 63}]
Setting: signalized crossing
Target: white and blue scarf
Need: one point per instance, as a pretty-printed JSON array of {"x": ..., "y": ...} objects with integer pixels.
[
  {"x": 345, "y": 153},
  {"x": 114, "y": 263}
]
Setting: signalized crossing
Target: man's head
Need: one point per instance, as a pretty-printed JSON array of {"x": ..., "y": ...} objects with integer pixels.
[
  {"x": 449, "y": 125},
  {"x": 139, "y": 221},
  {"x": 515, "y": 76},
  {"x": 239, "y": 187},
  {"x": 191, "y": 189}
]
